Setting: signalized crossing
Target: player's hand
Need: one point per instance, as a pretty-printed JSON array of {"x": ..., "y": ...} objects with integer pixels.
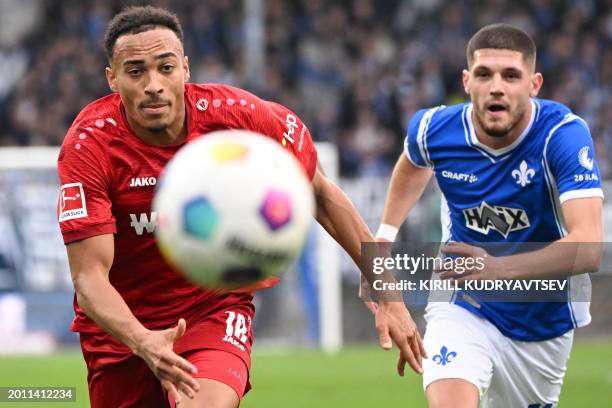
[
  {"x": 394, "y": 323},
  {"x": 174, "y": 372},
  {"x": 483, "y": 265},
  {"x": 365, "y": 294}
]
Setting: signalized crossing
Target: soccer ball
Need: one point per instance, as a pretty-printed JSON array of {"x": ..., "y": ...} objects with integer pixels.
[{"x": 233, "y": 208}]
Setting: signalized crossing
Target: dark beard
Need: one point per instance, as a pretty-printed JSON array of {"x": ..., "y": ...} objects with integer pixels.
[
  {"x": 157, "y": 129},
  {"x": 501, "y": 132}
]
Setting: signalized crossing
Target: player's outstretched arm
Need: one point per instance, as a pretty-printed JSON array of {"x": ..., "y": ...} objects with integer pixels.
[
  {"x": 338, "y": 216},
  {"x": 405, "y": 188},
  {"x": 90, "y": 261}
]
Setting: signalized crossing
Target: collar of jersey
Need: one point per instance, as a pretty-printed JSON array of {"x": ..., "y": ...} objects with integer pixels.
[{"x": 488, "y": 151}]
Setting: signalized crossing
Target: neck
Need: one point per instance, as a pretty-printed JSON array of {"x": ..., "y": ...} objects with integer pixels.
[
  {"x": 174, "y": 134},
  {"x": 499, "y": 142}
]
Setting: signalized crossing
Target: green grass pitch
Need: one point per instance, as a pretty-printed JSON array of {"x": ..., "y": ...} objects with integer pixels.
[{"x": 356, "y": 377}]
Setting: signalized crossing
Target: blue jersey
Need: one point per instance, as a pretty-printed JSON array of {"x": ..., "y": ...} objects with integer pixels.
[{"x": 511, "y": 195}]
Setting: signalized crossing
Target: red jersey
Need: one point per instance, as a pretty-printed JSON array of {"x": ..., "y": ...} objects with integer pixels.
[{"x": 108, "y": 177}]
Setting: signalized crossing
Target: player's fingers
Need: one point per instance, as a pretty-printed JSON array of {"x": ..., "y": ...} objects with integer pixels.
[
  {"x": 416, "y": 350},
  {"x": 458, "y": 248},
  {"x": 401, "y": 364},
  {"x": 179, "y": 330},
  {"x": 174, "y": 394},
  {"x": 185, "y": 389},
  {"x": 409, "y": 357},
  {"x": 448, "y": 275},
  {"x": 421, "y": 345},
  {"x": 372, "y": 307},
  {"x": 466, "y": 277},
  {"x": 174, "y": 359},
  {"x": 383, "y": 336},
  {"x": 178, "y": 376}
]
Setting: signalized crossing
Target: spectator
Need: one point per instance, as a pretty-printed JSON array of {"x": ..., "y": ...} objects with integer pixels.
[{"x": 353, "y": 69}]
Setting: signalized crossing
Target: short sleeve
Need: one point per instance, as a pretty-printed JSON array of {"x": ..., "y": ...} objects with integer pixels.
[
  {"x": 275, "y": 120},
  {"x": 415, "y": 144},
  {"x": 570, "y": 157},
  {"x": 84, "y": 208}
]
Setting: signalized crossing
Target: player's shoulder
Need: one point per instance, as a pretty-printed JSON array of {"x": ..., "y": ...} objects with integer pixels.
[
  {"x": 430, "y": 120},
  {"x": 551, "y": 114},
  {"x": 100, "y": 117},
  {"x": 218, "y": 96},
  {"x": 228, "y": 106},
  {"x": 93, "y": 128},
  {"x": 558, "y": 125},
  {"x": 219, "y": 102}
]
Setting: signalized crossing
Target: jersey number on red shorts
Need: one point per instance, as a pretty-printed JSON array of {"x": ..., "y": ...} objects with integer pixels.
[{"x": 237, "y": 326}]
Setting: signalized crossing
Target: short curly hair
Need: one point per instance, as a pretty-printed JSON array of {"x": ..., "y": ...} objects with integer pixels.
[{"x": 137, "y": 19}]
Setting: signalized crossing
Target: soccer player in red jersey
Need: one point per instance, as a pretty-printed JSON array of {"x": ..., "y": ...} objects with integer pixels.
[{"x": 127, "y": 299}]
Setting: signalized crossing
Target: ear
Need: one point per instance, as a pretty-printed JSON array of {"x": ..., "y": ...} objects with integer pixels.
[
  {"x": 536, "y": 84},
  {"x": 186, "y": 72},
  {"x": 111, "y": 79},
  {"x": 466, "y": 80}
]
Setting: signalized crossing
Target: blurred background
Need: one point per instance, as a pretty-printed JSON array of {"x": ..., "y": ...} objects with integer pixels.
[{"x": 354, "y": 71}]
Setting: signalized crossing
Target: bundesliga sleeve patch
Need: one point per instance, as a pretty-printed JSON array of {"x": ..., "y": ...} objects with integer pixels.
[{"x": 72, "y": 202}]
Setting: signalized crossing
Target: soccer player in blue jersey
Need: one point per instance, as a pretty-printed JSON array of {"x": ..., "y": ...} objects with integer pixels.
[{"x": 512, "y": 169}]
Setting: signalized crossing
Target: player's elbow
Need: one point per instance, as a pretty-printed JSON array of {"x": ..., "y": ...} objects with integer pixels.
[
  {"x": 593, "y": 256},
  {"x": 79, "y": 282},
  {"x": 588, "y": 257}
]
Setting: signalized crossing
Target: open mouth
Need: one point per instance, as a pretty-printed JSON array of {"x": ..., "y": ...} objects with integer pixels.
[{"x": 496, "y": 107}]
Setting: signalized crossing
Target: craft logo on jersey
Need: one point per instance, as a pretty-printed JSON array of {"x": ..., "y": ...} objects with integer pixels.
[
  {"x": 504, "y": 220},
  {"x": 584, "y": 159},
  {"x": 71, "y": 202},
  {"x": 523, "y": 174},
  {"x": 470, "y": 178}
]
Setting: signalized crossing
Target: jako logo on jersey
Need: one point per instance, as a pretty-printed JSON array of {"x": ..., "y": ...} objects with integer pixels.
[
  {"x": 523, "y": 174},
  {"x": 142, "y": 181},
  {"x": 501, "y": 219},
  {"x": 144, "y": 223},
  {"x": 71, "y": 202},
  {"x": 584, "y": 159},
  {"x": 470, "y": 178}
]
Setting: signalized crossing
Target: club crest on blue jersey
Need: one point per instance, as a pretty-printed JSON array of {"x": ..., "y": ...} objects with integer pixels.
[{"x": 523, "y": 175}]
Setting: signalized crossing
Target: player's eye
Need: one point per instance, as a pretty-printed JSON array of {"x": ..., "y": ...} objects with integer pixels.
[
  {"x": 482, "y": 74},
  {"x": 167, "y": 68},
  {"x": 134, "y": 72}
]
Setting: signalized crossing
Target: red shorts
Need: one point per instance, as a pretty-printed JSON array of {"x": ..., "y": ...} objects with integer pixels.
[{"x": 216, "y": 344}]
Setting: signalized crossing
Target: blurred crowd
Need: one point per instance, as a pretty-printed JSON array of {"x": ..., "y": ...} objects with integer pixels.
[{"x": 354, "y": 70}]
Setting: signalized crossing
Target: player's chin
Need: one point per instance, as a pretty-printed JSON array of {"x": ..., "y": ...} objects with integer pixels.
[
  {"x": 496, "y": 129},
  {"x": 149, "y": 121},
  {"x": 157, "y": 129},
  {"x": 156, "y": 125}
]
